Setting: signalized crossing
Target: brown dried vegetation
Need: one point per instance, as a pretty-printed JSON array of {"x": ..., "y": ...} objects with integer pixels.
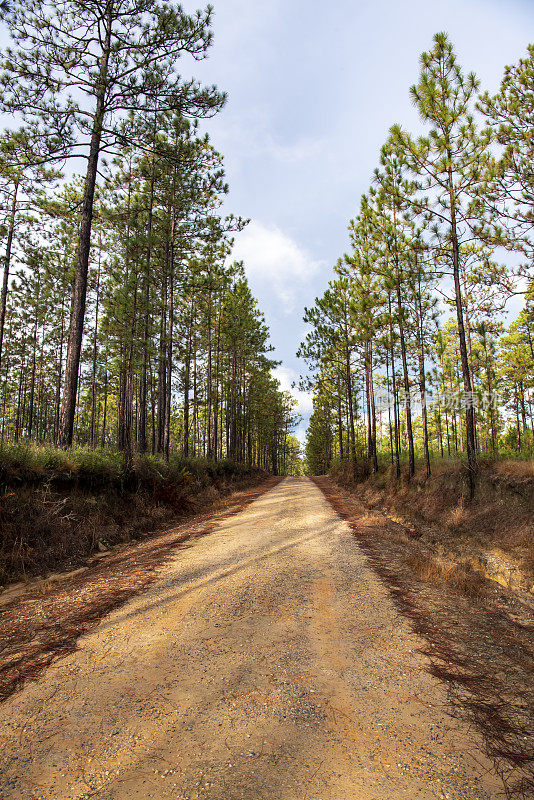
[{"x": 499, "y": 520}]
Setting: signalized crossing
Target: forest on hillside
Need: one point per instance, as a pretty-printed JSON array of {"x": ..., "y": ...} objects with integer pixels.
[
  {"x": 411, "y": 353},
  {"x": 124, "y": 325}
]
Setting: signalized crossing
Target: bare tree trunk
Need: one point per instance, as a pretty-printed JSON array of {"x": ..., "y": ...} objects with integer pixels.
[
  {"x": 216, "y": 400},
  {"x": 339, "y": 417},
  {"x": 142, "y": 409},
  {"x": 422, "y": 377},
  {"x": 170, "y": 334},
  {"x": 407, "y": 398},
  {"x": 490, "y": 397},
  {"x": 162, "y": 372},
  {"x": 390, "y": 427},
  {"x": 187, "y": 381},
  {"x": 103, "y": 439},
  {"x": 209, "y": 451},
  {"x": 409, "y": 430},
  {"x": 33, "y": 370},
  {"x": 518, "y": 426},
  {"x": 95, "y": 353},
  {"x": 394, "y": 386},
  {"x": 373, "y": 410}
]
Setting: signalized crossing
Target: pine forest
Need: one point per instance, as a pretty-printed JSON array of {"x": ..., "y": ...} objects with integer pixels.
[
  {"x": 412, "y": 352},
  {"x": 124, "y": 324}
]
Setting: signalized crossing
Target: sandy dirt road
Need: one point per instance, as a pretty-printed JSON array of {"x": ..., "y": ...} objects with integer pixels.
[{"x": 266, "y": 661}]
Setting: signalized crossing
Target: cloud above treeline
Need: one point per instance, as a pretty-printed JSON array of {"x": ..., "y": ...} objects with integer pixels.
[
  {"x": 274, "y": 263},
  {"x": 287, "y": 376}
]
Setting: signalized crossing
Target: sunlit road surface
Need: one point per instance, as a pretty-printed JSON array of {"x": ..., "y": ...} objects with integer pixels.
[{"x": 266, "y": 661}]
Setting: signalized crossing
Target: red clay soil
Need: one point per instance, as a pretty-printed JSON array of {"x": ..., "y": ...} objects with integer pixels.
[
  {"x": 481, "y": 652},
  {"x": 37, "y": 628}
]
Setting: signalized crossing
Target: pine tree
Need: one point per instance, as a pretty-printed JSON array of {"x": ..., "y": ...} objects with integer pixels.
[
  {"x": 450, "y": 162},
  {"x": 509, "y": 185},
  {"x": 395, "y": 192},
  {"x": 22, "y": 183},
  {"x": 120, "y": 56}
]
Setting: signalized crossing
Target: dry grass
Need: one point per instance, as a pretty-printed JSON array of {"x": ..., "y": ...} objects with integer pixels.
[
  {"x": 522, "y": 470},
  {"x": 459, "y": 578},
  {"x": 458, "y": 515},
  {"x": 500, "y": 518},
  {"x": 475, "y": 642}
]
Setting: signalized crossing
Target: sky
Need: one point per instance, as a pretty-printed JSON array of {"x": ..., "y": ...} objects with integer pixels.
[{"x": 313, "y": 89}]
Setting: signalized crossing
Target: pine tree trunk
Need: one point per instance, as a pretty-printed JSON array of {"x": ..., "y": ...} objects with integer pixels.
[
  {"x": 170, "y": 334},
  {"x": 95, "y": 353},
  {"x": 74, "y": 346},
  {"x": 216, "y": 401},
  {"x": 7, "y": 262},
  {"x": 162, "y": 373},
  {"x": 152, "y": 411},
  {"x": 490, "y": 399},
  {"x": 470, "y": 363},
  {"x": 466, "y": 374},
  {"x": 352, "y": 431},
  {"x": 59, "y": 370},
  {"x": 209, "y": 452},
  {"x": 409, "y": 430},
  {"x": 195, "y": 407},
  {"x": 390, "y": 427},
  {"x": 125, "y": 433},
  {"x": 530, "y": 342},
  {"x": 348, "y": 380},
  {"x": 32, "y": 378},
  {"x": 187, "y": 381},
  {"x": 142, "y": 409},
  {"x": 373, "y": 410},
  {"x": 368, "y": 405},
  {"x": 104, "y": 421},
  {"x": 339, "y": 418},
  {"x": 394, "y": 386},
  {"x": 422, "y": 378},
  {"x": 518, "y": 427}
]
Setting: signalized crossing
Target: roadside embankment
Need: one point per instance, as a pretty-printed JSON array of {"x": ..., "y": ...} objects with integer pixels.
[
  {"x": 58, "y": 509},
  {"x": 492, "y": 535}
]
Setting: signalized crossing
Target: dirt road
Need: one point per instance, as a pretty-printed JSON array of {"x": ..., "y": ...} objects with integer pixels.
[{"x": 267, "y": 661}]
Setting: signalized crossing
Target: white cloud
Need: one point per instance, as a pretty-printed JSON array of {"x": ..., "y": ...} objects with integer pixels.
[
  {"x": 251, "y": 136},
  {"x": 306, "y": 148},
  {"x": 301, "y": 434},
  {"x": 286, "y": 377},
  {"x": 274, "y": 262}
]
